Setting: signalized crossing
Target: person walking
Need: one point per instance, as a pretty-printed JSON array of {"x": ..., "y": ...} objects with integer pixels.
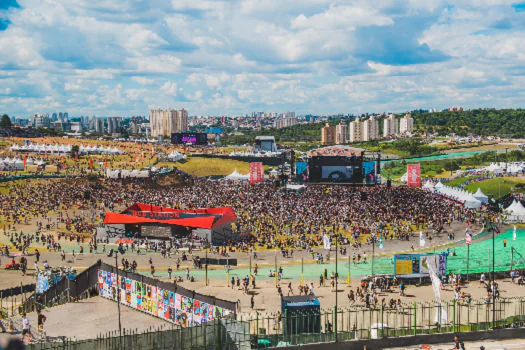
[{"x": 25, "y": 328}]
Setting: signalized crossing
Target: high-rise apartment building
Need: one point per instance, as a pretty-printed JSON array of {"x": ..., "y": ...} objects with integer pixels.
[
  {"x": 370, "y": 129},
  {"x": 113, "y": 124},
  {"x": 99, "y": 125},
  {"x": 406, "y": 124},
  {"x": 341, "y": 133},
  {"x": 164, "y": 123},
  {"x": 390, "y": 126},
  {"x": 285, "y": 120},
  {"x": 327, "y": 135},
  {"x": 54, "y": 117},
  {"x": 356, "y": 131}
]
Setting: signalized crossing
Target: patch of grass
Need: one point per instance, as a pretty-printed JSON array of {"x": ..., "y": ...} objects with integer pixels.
[
  {"x": 497, "y": 187},
  {"x": 210, "y": 166}
]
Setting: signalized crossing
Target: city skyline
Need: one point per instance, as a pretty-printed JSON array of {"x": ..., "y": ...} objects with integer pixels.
[{"x": 124, "y": 58}]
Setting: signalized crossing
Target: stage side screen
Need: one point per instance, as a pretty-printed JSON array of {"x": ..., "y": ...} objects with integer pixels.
[{"x": 184, "y": 138}]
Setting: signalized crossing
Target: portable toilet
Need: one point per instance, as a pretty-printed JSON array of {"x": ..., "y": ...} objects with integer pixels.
[{"x": 301, "y": 314}]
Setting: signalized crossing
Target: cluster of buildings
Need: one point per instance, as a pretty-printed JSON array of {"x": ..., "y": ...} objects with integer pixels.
[
  {"x": 455, "y": 109},
  {"x": 164, "y": 123},
  {"x": 366, "y": 130},
  {"x": 285, "y": 120}
]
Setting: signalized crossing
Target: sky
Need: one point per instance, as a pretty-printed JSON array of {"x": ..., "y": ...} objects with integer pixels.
[{"x": 232, "y": 57}]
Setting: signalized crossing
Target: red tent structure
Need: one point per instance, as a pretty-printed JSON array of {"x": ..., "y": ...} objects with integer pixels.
[{"x": 147, "y": 220}]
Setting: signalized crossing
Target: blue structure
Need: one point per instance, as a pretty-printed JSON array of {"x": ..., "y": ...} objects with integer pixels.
[{"x": 302, "y": 314}]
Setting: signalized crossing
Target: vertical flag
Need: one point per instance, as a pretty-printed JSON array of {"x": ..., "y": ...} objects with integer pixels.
[
  {"x": 327, "y": 243},
  {"x": 76, "y": 156},
  {"x": 514, "y": 234},
  {"x": 380, "y": 243},
  {"x": 90, "y": 163},
  {"x": 256, "y": 172},
  {"x": 106, "y": 163},
  {"x": 414, "y": 175},
  {"x": 136, "y": 158},
  {"x": 421, "y": 239},
  {"x": 64, "y": 161},
  {"x": 468, "y": 237},
  {"x": 142, "y": 155},
  {"x": 152, "y": 150},
  {"x": 25, "y": 163}
]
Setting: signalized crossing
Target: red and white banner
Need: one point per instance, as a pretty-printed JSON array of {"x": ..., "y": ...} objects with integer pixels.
[
  {"x": 414, "y": 175},
  {"x": 256, "y": 172}
]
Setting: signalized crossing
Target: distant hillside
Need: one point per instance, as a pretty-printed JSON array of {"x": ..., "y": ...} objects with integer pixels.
[{"x": 486, "y": 122}]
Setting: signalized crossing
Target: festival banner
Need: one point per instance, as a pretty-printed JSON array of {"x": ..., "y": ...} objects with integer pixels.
[
  {"x": 256, "y": 172},
  {"x": 414, "y": 175}
]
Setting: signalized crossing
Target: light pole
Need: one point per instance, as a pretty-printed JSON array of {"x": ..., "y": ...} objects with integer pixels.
[{"x": 118, "y": 300}]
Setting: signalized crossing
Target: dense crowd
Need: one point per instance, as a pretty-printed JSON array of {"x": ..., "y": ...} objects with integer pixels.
[{"x": 274, "y": 217}]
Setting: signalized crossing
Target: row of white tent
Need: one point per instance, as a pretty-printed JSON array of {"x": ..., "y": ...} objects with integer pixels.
[
  {"x": 252, "y": 154},
  {"x": 470, "y": 200},
  {"x": 136, "y": 140},
  {"x": 516, "y": 208},
  {"x": 514, "y": 167},
  {"x": 99, "y": 150},
  {"x": 38, "y": 148},
  {"x": 115, "y": 174},
  {"x": 17, "y": 163}
]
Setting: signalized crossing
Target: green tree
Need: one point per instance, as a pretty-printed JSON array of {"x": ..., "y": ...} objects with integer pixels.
[{"x": 5, "y": 121}]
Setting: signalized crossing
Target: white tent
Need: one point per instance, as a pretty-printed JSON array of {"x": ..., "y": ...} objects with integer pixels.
[
  {"x": 175, "y": 156},
  {"x": 274, "y": 172},
  {"x": 439, "y": 185},
  {"x": 471, "y": 201},
  {"x": 428, "y": 185},
  {"x": 518, "y": 209},
  {"x": 511, "y": 206},
  {"x": 480, "y": 196},
  {"x": 237, "y": 176},
  {"x": 404, "y": 178}
]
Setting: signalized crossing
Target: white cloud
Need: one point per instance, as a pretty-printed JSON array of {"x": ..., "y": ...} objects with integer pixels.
[
  {"x": 123, "y": 57},
  {"x": 143, "y": 80}
]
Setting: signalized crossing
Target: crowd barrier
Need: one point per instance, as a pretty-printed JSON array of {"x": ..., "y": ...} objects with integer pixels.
[{"x": 350, "y": 326}]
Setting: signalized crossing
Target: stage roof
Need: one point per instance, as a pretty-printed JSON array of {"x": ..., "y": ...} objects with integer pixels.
[
  {"x": 339, "y": 150},
  {"x": 140, "y": 213}
]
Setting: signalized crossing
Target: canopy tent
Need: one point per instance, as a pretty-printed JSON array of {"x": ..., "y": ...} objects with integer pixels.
[
  {"x": 175, "y": 156},
  {"x": 274, "y": 172},
  {"x": 518, "y": 209},
  {"x": 439, "y": 185},
  {"x": 494, "y": 168},
  {"x": 471, "y": 201},
  {"x": 404, "y": 178},
  {"x": 237, "y": 176},
  {"x": 511, "y": 206},
  {"x": 480, "y": 196},
  {"x": 428, "y": 185}
]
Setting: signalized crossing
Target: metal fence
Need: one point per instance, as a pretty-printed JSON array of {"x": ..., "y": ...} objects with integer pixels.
[
  {"x": 219, "y": 334},
  {"x": 263, "y": 330}
]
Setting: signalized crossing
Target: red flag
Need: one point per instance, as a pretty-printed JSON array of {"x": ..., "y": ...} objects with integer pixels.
[
  {"x": 64, "y": 161},
  {"x": 106, "y": 163},
  {"x": 90, "y": 163},
  {"x": 25, "y": 160}
]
